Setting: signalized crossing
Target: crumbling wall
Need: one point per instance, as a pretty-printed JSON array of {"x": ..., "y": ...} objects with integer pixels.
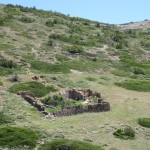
[
  {"x": 70, "y": 94},
  {"x": 81, "y": 94},
  {"x": 30, "y": 98}
]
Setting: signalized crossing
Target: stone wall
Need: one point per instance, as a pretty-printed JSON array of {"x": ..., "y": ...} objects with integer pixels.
[
  {"x": 70, "y": 94},
  {"x": 103, "y": 106}
]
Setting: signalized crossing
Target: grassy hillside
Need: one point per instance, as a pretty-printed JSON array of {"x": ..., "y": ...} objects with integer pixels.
[{"x": 61, "y": 52}]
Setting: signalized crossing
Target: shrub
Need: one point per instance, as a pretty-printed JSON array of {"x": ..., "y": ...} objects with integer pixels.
[
  {"x": 90, "y": 79},
  {"x": 125, "y": 133},
  {"x": 7, "y": 63},
  {"x": 64, "y": 144},
  {"x": 74, "y": 49},
  {"x": 53, "y": 100},
  {"x": 145, "y": 122},
  {"x": 18, "y": 137},
  {"x": 4, "y": 119},
  {"x": 38, "y": 89},
  {"x": 138, "y": 71},
  {"x": 137, "y": 85},
  {"x": 27, "y": 20},
  {"x": 1, "y": 21},
  {"x": 49, "y": 68},
  {"x": 1, "y": 83},
  {"x": 49, "y": 23}
]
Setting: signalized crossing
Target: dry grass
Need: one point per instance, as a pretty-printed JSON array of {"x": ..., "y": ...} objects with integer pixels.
[{"x": 126, "y": 107}]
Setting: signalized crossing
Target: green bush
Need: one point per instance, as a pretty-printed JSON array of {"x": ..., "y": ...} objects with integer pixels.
[
  {"x": 138, "y": 71},
  {"x": 64, "y": 144},
  {"x": 74, "y": 49},
  {"x": 13, "y": 137},
  {"x": 38, "y": 89},
  {"x": 125, "y": 133},
  {"x": 27, "y": 20},
  {"x": 90, "y": 79},
  {"x": 1, "y": 83},
  {"x": 7, "y": 63},
  {"x": 49, "y": 23},
  {"x": 53, "y": 100},
  {"x": 49, "y": 68},
  {"x": 1, "y": 21},
  {"x": 137, "y": 85},
  {"x": 145, "y": 122},
  {"x": 4, "y": 119}
]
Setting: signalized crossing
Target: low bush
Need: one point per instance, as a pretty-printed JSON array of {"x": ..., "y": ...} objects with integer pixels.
[
  {"x": 90, "y": 79},
  {"x": 49, "y": 68},
  {"x": 26, "y": 20},
  {"x": 145, "y": 122},
  {"x": 4, "y": 119},
  {"x": 38, "y": 89},
  {"x": 137, "y": 85},
  {"x": 7, "y": 63},
  {"x": 74, "y": 49},
  {"x": 1, "y": 83},
  {"x": 13, "y": 137},
  {"x": 125, "y": 133},
  {"x": 64, "y": 144}
]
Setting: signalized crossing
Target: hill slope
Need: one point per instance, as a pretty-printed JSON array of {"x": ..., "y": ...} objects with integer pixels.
[{"x": 62, "y": 52}]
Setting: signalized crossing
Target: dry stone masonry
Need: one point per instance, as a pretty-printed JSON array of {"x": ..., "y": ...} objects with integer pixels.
[{"x": 71, "y": 94}]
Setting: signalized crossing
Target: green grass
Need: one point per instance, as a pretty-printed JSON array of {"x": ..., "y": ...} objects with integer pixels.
[
  {"x": 125, "y": 133},
  {"x": 49, "y": 68},
  {"x": 136, "y": 85},
  {"x": 1, "y": 83},
  {"x": 4, "y": 119},
  {"x": 145, "y": 122},
  {"x": 13, "y": 137},
  {"x": 64, "y": 144},
  {"x": 6, "y": 71},
  {"x": 38, "y": 89}
]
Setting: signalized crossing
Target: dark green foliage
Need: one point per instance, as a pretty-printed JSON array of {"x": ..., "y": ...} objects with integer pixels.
[
  {"x": 5, "y": 71},
  {"x": 125, "y": 133},
  {"x": 139, "y": 71},
  {"x": 7, "y": 63},
  {"x": 53, "y": 100},
  {"x": 74, "y": 49},
  {"x": 26, "y": 19},
  {"x": 1, "y": 83},
  {"x": 64, "y": 144},
  {"x": 145, "y": 122},
  {"x": 90, "y": 79},
  {"x": 4, "y": 119},
  {"x": 18, "y": 137},
  {"x": 38, "y": 89},
  {"x": 49, "y": 68},
  {"x": 49, "y": 23},
  {"x": 1, "y": 21},
  {"x": 137, "y": 85}
]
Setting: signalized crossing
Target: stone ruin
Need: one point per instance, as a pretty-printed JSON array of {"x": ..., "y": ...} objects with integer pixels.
[
  {"x": 30, "y": 98},
  {"x": 70, "y": 94}
]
